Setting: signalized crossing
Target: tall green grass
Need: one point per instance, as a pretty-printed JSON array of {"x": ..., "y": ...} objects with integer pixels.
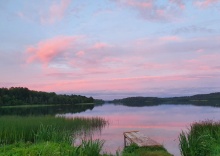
[
  {"x": 47, "y": 135},
  {"x": 45, "y": 128},
  {"x": 202, "y": 139}
]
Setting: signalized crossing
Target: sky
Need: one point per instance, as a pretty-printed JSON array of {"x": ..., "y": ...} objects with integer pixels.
[{"x": 111, "y": 48}]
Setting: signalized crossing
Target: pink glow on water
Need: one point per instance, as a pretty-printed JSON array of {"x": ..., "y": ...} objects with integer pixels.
[{"x": 162, "y": 123}]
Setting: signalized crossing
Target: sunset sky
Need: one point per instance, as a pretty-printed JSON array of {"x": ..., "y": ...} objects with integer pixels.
[{"x": 111, "y": 48}]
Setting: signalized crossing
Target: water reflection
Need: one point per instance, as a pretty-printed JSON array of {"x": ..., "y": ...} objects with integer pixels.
[
  {"x": 162, "y": 123},
  {"x": 45, "y": 110}
]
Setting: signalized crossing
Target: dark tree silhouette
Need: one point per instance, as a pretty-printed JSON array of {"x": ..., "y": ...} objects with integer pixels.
[{"x": 21, "y": 96}]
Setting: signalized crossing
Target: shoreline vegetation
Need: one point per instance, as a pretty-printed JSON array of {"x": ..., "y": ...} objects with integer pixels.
[
  {"x": 134, "y": 150},
  {"x": 34, "y": 128},
  {"x": 24, "y": 102},
  {"x": 23, "y": 96},
  {"x": 28, "y": 125},
  {"x": 212, "y": 99},
  {"x": 203, "y": 139},
  {"x": 47, "y": 135}
]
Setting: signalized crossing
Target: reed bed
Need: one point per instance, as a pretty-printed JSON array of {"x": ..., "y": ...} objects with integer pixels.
[
  {"x": 47, "y": 135},
  {"x": 45, "y": 128},
  {"x": 203, "y": 139}
]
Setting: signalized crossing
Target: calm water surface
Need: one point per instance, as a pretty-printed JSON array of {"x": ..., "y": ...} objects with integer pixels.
[{"x": 162, "y": 123}]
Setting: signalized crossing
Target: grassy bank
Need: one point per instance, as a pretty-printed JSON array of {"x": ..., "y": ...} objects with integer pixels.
[
  {"x": 50, "y": 148},
  {"x": 203, "y": 139},
  {"x": 47, "y": 135},
  {"x": 134, "y": 150}
]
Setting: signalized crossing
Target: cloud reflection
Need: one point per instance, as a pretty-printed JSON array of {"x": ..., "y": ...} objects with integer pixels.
[{"x": 162, "y": 123}]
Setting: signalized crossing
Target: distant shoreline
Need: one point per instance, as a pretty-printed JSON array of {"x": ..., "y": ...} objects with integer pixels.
[{"x": 212, "y": 99}]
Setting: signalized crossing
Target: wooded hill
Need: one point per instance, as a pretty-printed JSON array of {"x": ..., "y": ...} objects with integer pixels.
[
  {"x": 212, "y": 99},
  {"x": 21, "y": 96}
]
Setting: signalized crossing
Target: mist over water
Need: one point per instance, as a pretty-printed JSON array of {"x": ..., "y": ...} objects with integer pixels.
[{"x": 162, "y": 123}]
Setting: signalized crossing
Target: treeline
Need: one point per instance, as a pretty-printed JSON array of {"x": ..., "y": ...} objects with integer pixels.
[
  {"x": 99, "y": 101},
  {"x": 199, "y": 99},
  {"x": 21, "y": 96},
  {"x": 212, "y": 99}
]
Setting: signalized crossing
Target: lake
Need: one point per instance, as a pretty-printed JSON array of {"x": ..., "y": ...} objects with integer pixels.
[{"x": 162, "y": 123}]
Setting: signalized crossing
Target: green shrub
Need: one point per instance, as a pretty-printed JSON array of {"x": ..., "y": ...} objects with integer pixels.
[
  {"x": 203, "y": 139},
  {"x": 134, "y": 150}
]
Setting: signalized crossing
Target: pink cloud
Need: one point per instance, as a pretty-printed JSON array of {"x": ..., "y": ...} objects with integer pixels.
[
  {"x": 80, "y": 53},
  {"x": 155, "y": 62},
  {"x": 157, "y": 42},
  {"x": 154, "y": 66},
  {"x": 91, "y": 56},
  {"x": 179, "y": 3},
  {"x": 204, "y": 65},
  {"x": 151, "y": 10},
  {"x": 69, "y": 53},
  {"x": 116, "y": 84},
  {"x": 139, "y": 4},
  {"x": 46, "y": 51},
  {"x": 99, "y": 45},
  {"x": 205, "y": 3},
  {"x": 156, "y": 78},
  {"x": 51, "y": 12},
  {"x": 170, "y": 38},
  {"x": 56, "y": 12}
]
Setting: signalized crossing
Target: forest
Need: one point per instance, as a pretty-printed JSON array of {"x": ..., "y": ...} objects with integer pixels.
[
  {"x": 24, "y": 96},
  {"x": 212, "y": 99}
]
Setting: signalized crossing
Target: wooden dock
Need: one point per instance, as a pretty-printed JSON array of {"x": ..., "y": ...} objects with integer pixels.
[{"x": 139, "y": 139}]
